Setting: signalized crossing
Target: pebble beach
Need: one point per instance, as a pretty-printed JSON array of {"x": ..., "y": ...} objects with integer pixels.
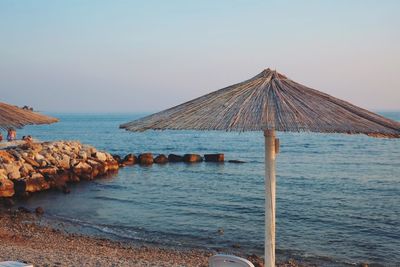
[{"x": 24, "y": 239}]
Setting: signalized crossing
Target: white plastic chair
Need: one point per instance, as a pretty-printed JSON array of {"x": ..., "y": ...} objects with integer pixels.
[
  {"x": 14, "y": 264},
  {"x": 221, "y": 260}
]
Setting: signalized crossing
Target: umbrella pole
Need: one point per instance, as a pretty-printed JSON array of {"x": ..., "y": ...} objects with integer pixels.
[{"x": 269, "y": 198}]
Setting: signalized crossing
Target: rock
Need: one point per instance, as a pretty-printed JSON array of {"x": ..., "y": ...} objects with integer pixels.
[
  {"x": 35, "y": 147},
  {"x": 64, "y": 162},
  {"x": 31, "y": 161},
  {"x": 129, "y": 159},
  {"x": 48, "y": 171},
  {"x": 3, "y": 173},
  {"x": 6, "y": 157},
  {"x": 39, "y": 211},
  {"x": 161, "y": 159},
  {"x": 214, "y": 157},
  {"x": 6, "y": 188},
  {"x": 117, "y": 158},
  {"x": 112, "y": 166},
  {"x": 26, "y": 169},
  {"x": 83, "y": 170},
  {"x": 39, "y": 157},
  {"x": 100, "y": 156},
  {"x": 146, "y": 159},
  {"x": 73, "y": 162},
  {"x": 236, "y": 161},
  {"x": 36, "y": 183},
  {"x": 175, "y": 158},
  {"x": 43, "y": 163},
  {"x": 14, "y": 173},
  {"x": 82, "y": 155},
  {"x": 192, "y": 158}
]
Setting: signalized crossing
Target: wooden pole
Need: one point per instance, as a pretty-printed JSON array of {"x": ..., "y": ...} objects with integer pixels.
[{"x": 270, "y": 185}]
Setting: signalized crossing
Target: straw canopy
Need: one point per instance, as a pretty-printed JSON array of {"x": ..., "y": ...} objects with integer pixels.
[
  {"x": 269, "y": 100},
  {"x": 15, "y": 117}
]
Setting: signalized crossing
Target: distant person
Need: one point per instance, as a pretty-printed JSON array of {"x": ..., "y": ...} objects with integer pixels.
[
  {"x": 1, "y": 137},
  {"x": 11, "y": 135}
]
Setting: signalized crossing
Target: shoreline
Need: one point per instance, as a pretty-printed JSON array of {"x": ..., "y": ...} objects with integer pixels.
[{"x": 24, "y": 238}]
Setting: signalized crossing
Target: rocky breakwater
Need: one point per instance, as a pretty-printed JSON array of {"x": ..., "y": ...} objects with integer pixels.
[{"x": 33, "y": 167}]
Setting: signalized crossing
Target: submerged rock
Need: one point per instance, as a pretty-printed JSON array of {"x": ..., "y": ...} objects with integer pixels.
[
  {"x": 161, "y": 159},
  {"x": 129, "y": 159},
  {"x": 146, "y": 159},
  {"x": 214, "y": 157},
  {"x": 236, "y": 161},
  {"x": 175, "y": 158},
  {"x": 192, "y": 158}
]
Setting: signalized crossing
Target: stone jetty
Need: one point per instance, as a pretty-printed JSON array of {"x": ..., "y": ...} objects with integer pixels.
[{"x": 32, "y": 167}]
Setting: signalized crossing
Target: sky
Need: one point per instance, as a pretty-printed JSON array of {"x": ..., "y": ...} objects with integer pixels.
[{"x": 145, "y": 56}]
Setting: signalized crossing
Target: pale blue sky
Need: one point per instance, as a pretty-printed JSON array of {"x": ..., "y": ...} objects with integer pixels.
[{"x": 116, "y": 56}]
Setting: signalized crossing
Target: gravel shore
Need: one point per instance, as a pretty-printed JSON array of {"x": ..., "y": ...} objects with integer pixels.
[{"x": 22, "y": 238}]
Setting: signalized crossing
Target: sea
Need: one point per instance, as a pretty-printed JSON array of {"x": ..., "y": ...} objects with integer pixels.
[{"x": 338, "y": 196}]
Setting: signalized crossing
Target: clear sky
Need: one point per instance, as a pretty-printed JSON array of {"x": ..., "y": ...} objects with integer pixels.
[{"x": 117, "y": 56}]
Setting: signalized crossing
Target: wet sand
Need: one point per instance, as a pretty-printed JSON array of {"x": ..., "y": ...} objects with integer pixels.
[{"x": 22, "y": 238}]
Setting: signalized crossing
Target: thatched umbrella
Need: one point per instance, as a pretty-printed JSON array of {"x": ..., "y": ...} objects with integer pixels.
[
  {"x": 15, "y": 117},
  {"x": 269, "y": 102}
]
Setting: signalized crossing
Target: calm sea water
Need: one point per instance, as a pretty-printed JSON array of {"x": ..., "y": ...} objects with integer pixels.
[{"x": 338, "y": 196}]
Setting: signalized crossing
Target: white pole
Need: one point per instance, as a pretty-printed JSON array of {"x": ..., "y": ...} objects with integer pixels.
[{"x": 270, "y": 184}]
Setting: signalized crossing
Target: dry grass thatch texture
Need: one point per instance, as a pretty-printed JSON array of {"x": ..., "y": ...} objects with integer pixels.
[
  {"x": 269, "y": 100},
  {"x": 15, "y": 117}
]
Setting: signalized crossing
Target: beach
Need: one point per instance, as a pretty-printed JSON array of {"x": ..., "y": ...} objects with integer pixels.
[{"x": 24, "y": 239}]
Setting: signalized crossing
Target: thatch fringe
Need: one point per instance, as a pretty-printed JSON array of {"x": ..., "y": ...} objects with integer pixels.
[
  {"x": 15, "y": 117},
  {"x": 269, "y": 101}
]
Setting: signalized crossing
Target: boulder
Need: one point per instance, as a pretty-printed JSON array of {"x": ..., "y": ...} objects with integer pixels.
[
  {"x": 6, "y": 188},
  {"x": 64, "y": 162},
  {"x": 192, "y": 158},
  {"x": 146, "y": 159},
  {"x": 3, "y": 173},
  {"x": 175, "y": 158},
  {"x": 13, "y": 172},
  {"x": 100, "y": 156},
  {"x": 36, "y": 183},
  {"x": 161, "y": 159},
  {"x": 6, "y": 157},
  {"x": 214, "y": 157},
  {"x": 35, "y": 147},
  {"x": 117, "y": 158},
  {"x": 31, "y": 161},
  {"x": 26, "y": 169},
  {"x": 129, "y": 159},
  {"x": 83, "y": 170},
  {"x": 48, "y": 171},
  {"x": 112, "y": 165},
  {"x": 39, "y": 157},
  {"x": 82, "y": 155}
]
